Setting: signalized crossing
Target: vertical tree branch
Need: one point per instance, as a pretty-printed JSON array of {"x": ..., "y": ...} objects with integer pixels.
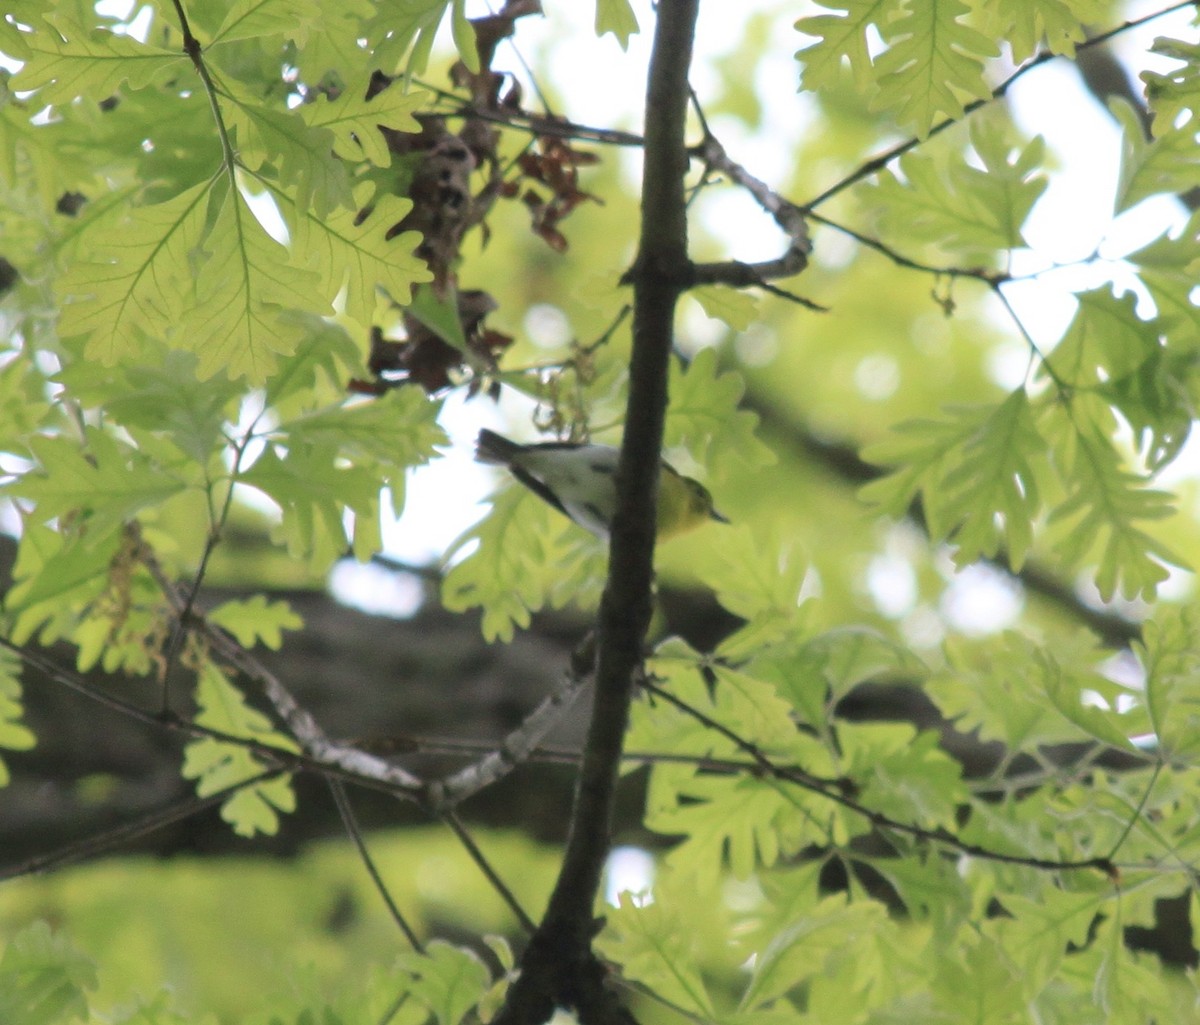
[
  {"x": 559, "y": 967},
  {"x": 659, "y": 275}
]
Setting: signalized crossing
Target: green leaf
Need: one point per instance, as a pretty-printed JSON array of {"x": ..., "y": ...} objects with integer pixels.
[
  {"x": 933, "y": 64},
  {"x": 1105, "y": 339},
  {"x": 256, "y": 619},
  {"x": 137, "y": 276},
  {"x": 218, "y": 764},
  {"x": 247, "y": 280},
  {"x": 355, "y": 249},
  {"x": 464, "y": 36},
  {"x": 106, "y": 482},
  {"x": 406, "y": 27},
  {"x": 254, "y": 809},
  {"x": 253, "y": 19},
  {"x": 1177, "y": 90},
  {"x": 749, "y": 820},
  {"x": 395, "y": 432},
  {"x": 56, "y": 572},
  {"x": 1105, "y": 504},
  {"x": 736, "y": 308},
  {"x": 25, "y": 405},
  {"x": 1159, "y": 398},
  {"x": 439, "y": 314},
  {"x": 63, "y": 60},
  {"x": 1128, "y": 988},
  {"x": 997, "y": 476},
  {"x": 904, "y": 774},
  {"x": 1156, "y": 401},
  {"x": 335, "y": 47},
  {"x": 157, "y": 143},
  {"x": 1072, "y": 690},
  {"x": 355, "y": 120},
  {"x": 652, "y": 946},
  {"x": 930, "y": 888},
  {"x": 380, "y": 438},
  {"x": 324, "y": 357},
  {"x": 159, "y": 394},
  {"x": 1051, "y": 701},
  {"x": 1165, "y": 164},
  {"x": 1170, "y": 654},
  {"x": 961, "y": 208},
  {"x": 706, "y": 418},
  {"x": 314, "y": 492},
  {"x": 528, "y": 555},
  {"x": 982, "y": 463},
  {"x": 300, "y": 156},
  {"x": 14, "y": 735},
  {"x": 43, "y": 979},
  {"x": 830, "y": 665},
  {"x": 1166, "y": 268},
  {"x": 977, "y": 983},
  {"x": 842, "y": 37},
  {"x": 617, "y": 17},
  {"x": 806, "y": 946},
  {"x": 739, "y": 700},
  {"x": 1056, "y": 24},
  {"x": 448, "y": 980},
  {"x": 760, "y": 577}
]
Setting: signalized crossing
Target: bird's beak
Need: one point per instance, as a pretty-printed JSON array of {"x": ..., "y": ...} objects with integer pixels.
[{"x": 718, "y": 517}]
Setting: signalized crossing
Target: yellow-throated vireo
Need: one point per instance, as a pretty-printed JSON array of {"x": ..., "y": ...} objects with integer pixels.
[{"x": 580, "y": 482}]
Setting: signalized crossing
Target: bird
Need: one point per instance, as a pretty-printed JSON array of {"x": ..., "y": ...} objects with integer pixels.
[{"x": 579, "y": 480}]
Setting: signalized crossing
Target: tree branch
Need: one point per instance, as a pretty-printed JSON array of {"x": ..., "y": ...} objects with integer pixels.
[
  {"x": 559, "y": 967},
  {"x": 516, "y": 748},
  {"x": 787, "y": 215}
]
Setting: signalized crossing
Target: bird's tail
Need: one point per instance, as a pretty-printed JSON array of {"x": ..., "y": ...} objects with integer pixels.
[{"x": 495, "y": 448}]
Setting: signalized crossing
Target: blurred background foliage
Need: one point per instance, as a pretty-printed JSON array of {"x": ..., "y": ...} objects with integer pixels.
[{"x": 891, "y": 343}]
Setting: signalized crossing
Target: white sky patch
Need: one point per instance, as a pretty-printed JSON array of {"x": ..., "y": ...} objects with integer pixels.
[
  {"x": 980, "y": 600},
  {"x": 547, "y": 326},
  {"x": 877, "y": 376},
  {"x": 892, "y": 583},
  {"x": 629, "y": 870},
  {"x": 697, "y": 330},
  {"x": 444, "y": 498},
  {"x": 1008, "y": 364},
  {"x": 758, "y": 345},
  {"x": 1074, "y": 220},
  {"x": 923, "y": 628},
  {"x": 377, "y": 589}
]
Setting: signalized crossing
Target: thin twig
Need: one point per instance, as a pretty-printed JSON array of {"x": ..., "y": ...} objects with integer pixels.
[
  {"x": 499, "y": 885},
  {"x": 516, "y": 748},
  {"x": 988, "y": 277},
  {"x": 394, "y": 1008},
  {"x": 195, "y": 53},
  {"x": 216, "y": 525},
  {"x": 878, "y": 819},
  {"x": 789, "y": 217},
  {"x": 350, "y": 821},
  {"x": 97, "y": 843}
]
